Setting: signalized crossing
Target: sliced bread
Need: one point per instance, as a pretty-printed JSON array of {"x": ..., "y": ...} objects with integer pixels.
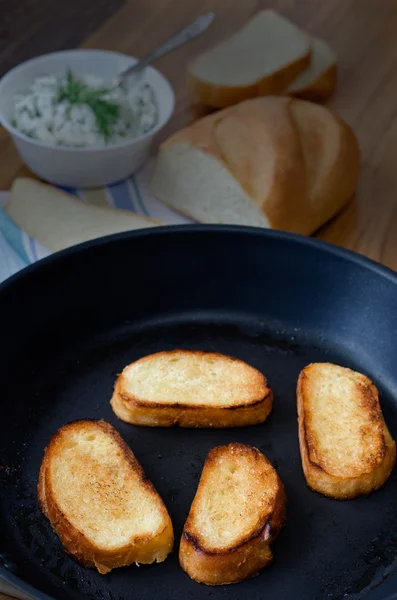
[
  {"x": 59, "y": 220},
  {"x": 262, "y": 58},
  {"x": 95, "y": 494},
  {"x": 238, "y": 511},
  {"x": 191, "y": 389},
  {"x": 346, "y": 447},
  {"x": 318, "y": 82}
]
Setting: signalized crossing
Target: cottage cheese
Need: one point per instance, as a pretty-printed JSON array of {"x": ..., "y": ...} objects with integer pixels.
[{"x": 39, "y": 114}]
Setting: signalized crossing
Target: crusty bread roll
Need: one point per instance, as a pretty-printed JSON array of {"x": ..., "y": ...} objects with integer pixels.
[
  {"x": 273, "y": 162},
  {"x": 262, "y": 58},
  {"x": 318, "y": 82}
]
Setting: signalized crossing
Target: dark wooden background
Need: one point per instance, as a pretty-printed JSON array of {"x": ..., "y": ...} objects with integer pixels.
[{"x": 32, "y": 27}]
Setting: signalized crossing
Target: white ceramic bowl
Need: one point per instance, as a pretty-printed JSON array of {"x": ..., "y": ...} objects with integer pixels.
[{"x": 81, "y": 167}]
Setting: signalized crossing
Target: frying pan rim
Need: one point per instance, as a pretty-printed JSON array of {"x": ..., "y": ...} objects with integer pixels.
[{"x": 315, "y": 244}]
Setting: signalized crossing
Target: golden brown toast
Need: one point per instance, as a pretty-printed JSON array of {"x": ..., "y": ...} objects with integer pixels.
[
  {"x": 238, "y": 511},
  {"x": 346, "y": 447},
  {"x": 191, "y": 389},
  {"x": 98, "y": 500}
]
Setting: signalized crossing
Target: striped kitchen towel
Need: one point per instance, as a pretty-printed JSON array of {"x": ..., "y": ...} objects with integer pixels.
[{"x": 18, "y": 249}]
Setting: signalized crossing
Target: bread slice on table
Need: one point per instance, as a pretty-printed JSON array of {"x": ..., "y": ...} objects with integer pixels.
[
  {"x": 191, "y": 389},
  {"x": 99, "y": 502},
  {"x": 237, "y": 513},
  {"x": 59, "y": 220},
  {"x": 346, "y": 447},
  {"x": 269, "y": 162},
  {"x": 262, "y": 58},
  {"x": 318, "y": 82}
]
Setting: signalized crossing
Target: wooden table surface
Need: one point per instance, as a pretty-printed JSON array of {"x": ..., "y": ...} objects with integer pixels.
[{"x": 363, "y": 34}]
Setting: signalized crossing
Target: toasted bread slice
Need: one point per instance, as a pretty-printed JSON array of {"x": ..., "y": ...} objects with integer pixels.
[
  {"x": 238, "y": 511},
  {"x": 346, "y": 447},
  {"x": 98, "y": 500},
  {"x": 191, "y": 389}
]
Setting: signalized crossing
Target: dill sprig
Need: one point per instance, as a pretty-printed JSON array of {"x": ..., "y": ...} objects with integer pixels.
[{"x": 76, "y": 91}]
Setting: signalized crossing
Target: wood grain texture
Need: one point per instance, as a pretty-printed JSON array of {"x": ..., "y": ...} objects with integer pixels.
[
  {"x": 32, "y": 27},
  {"x": 362, "y": 32}
]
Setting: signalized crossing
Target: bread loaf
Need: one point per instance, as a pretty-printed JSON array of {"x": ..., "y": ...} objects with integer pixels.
[{"x": 272, "y": 162}]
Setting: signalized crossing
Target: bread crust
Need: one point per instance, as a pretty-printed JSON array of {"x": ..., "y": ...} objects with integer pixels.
[
  {"x": 138, "y": 411},
  {"x": 250, "y": 552},
  {"x": 320, "y": 89},
  {"x": 141, "y": 549},
  {"x": 336, "y": 183},
  {"x": 361, "y": 479}
]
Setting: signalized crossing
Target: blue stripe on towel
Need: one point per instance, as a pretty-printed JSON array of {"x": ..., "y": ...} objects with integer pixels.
[
  {"x": 138, "y": 196},
  {"x": 120, "y": 195},
  {"x": 32, "y": 247},
  {"x": 10, "y": 261},
  {"x": 13, "y": 235}
]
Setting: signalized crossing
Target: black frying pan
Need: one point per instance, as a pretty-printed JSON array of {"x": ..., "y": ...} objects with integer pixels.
[{"x": 71, "y": 322}]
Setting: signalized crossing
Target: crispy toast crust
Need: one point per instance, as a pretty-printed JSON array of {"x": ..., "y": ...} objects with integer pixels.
[
  {"x": 140, "y": 549},
  {"x": 250, "y": 551},
  {"x": 345, "y": 481},
  {"x": 138, "y": 411}
]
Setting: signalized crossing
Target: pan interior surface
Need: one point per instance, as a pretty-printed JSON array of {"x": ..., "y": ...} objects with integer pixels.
[{"x": 66, "y": 351}]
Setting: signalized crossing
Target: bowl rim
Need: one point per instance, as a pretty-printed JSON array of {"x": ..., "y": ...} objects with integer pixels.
[{"x": 13, "y": 131}]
